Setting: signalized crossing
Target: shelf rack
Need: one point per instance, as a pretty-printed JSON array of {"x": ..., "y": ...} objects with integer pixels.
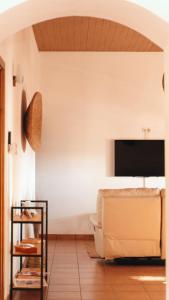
[
  {"x": 42, "y": 251},
  {"x": 45, "y": 226}
]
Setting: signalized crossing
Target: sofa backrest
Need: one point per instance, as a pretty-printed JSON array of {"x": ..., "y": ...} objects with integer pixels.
[
  {"x": 128, "y": 192},
  {"x": 132, "y": 217}
]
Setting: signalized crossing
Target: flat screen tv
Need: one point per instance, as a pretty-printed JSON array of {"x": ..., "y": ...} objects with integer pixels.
[{"x": 142, "y": 158}]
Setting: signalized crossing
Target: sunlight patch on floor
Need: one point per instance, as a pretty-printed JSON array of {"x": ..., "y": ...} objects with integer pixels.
[{"x": 149, "y": 278}]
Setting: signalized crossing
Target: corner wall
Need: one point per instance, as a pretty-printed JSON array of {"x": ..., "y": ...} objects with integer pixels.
[
  {"x": 89, "y": 100},
  {"x": 21, "y": 56}
]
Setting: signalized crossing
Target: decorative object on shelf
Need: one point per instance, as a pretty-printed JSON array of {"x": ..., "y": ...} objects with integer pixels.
[
  {"x": 29, "y": 277},
  {"x": 25, "y": 248},
  {"x": 28, "y": 212},
  {"x": 33, "y": 122}
]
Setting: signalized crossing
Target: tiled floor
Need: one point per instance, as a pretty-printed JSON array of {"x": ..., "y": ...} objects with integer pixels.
[{"x": 75, "y": 276}]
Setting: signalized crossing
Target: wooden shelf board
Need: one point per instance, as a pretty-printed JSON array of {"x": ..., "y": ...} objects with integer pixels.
[
  {"x": 32, "y": 241},
  {"x": 32, "y": 270},
  {"x": 23, "y": 219},
  {"x": 19, "y": 287}
]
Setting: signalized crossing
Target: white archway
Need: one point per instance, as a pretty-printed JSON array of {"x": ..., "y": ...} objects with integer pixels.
[
  {"x": 141, "y": 15},
  {"x": 159, "y": 8},
  {"x": 125, "y": 12}
]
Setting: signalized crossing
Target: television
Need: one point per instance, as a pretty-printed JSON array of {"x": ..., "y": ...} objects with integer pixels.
[{"x": 142, "y": 158}]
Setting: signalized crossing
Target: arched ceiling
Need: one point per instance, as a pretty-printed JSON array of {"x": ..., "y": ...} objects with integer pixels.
[
  {"x": 121, "y": 11},
  {"x": 89, "y": 34}
]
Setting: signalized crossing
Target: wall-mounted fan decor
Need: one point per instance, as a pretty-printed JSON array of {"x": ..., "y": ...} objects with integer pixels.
[{"x": 33, "y": 122}]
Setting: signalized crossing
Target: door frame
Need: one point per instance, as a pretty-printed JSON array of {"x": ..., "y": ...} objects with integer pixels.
[{"x": 2, "y": 173}]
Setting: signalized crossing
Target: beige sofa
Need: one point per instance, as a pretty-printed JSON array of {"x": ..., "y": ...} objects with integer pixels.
[{"x": 130, "y": 223}]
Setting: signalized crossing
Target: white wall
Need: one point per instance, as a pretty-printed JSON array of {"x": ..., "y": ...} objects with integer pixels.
[
  {"x": 19, "y": 53},
  {"x": 90, "y": 99}
]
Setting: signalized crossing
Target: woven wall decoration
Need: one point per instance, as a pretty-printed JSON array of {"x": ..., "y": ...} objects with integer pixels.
[{"x": 33, "y": 122}]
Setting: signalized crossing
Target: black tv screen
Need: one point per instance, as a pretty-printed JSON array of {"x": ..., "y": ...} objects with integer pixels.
[{"x": 142, "y": 158}]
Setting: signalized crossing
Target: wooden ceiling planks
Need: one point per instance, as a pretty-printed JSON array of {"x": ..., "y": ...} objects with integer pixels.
[{"x": 89, "y": 34}]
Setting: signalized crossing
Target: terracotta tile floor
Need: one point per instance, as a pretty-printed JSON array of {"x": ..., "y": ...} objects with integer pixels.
[{"x": 73, "y": 275}]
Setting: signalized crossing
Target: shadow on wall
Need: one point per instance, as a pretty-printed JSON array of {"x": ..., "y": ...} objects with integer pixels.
[
  {"x": 23, "y": 110},
  {"x": 77, "y": 224},
  {"x": 110, "y": 156}
]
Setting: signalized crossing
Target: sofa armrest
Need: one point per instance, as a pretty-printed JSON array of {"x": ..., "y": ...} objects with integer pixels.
[{"x": 94, "y": 220}]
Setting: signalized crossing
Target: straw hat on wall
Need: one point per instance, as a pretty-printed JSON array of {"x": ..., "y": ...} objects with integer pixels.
[{"x": 33, "y": 122}]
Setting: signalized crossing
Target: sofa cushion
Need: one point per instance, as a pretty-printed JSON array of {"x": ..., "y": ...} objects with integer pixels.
[{"x": 133, "y": 218}]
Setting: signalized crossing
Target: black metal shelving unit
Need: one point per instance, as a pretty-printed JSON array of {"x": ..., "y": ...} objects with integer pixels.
[{"x": 42, "y": 219}]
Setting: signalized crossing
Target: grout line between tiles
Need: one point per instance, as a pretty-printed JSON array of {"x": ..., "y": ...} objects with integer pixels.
[
  {"x": 149, "y": 296},
  {"x": 51, "y": 269},
  {"x": 78, "y": 269}
]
